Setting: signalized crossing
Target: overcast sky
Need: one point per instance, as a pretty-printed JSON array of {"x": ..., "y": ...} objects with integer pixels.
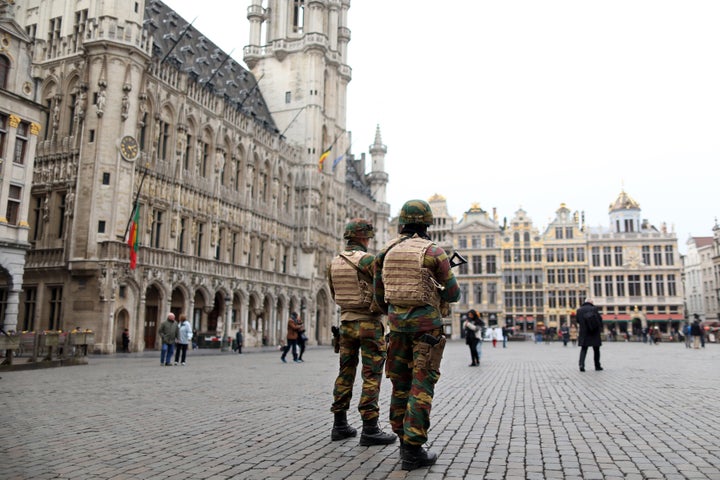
[{"x": 532, "y": 103}]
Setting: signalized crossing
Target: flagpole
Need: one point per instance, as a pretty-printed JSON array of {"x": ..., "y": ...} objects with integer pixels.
[{"x": 135, "y": 203}]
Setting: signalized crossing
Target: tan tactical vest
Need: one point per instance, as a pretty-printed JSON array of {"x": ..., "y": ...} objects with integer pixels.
[
  {"x": 407, "y": 282},
  {"x": 350, "y": 290}
]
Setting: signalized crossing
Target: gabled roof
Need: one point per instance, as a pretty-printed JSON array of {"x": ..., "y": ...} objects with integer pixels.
[
  {"x": 702, "y": 241},
  {"x": 191, "y": 52}
]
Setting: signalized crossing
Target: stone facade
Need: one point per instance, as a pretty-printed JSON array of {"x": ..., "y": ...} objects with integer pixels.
[
  {"x": 20, "y": 116},
  {"x": 236, "y": 221}
]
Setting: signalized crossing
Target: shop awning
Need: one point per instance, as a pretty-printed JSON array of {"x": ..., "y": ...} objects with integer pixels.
[
  {"x": 616, "y": 318},
  {"x": 663, "y": 317}
]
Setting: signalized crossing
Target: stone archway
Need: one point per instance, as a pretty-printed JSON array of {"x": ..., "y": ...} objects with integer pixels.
[
  {"x": 323, "y": 318},
  {"x": 153, "y": 312},
  {"x": 177, "y": 302},
  {"x": 122, "y": 321}
]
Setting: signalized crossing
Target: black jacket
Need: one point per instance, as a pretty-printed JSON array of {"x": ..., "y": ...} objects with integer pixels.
[{"x": 586, "y": 339}]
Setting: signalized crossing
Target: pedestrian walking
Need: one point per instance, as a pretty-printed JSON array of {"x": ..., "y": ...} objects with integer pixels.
[
  {"x": 126, "y": 341},
  {"x": 505, "y": 333},
  {"x": 239, "y": 340},
  {"x": 414, "y": 286},
  {"x": 168, "y": 336},
  {"x": 573, "y": 334},
  {"x": 302, "y": 338},
  {"x": 696, "y": 331},
  {"x": 565, "y": 334},
  {"x": 185, "y": 336},
  {"x": 292, "y": 335},
  {"x": 590, "y": 329},
  {"x": 361, "y": 336},
  {"x": 472, "y": 332}
]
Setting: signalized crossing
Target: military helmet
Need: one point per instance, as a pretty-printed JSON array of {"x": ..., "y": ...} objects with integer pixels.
[
  {"x": 416, "y": 211},
  {"x": 358, "y": 228}
]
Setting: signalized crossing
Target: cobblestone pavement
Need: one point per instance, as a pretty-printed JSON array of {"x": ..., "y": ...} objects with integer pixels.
[{"x": 526, "y": 413}]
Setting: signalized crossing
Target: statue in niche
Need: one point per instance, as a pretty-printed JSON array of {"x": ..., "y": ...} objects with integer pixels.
[
  {"x": 69, "y": 203},
  {"x": 56, "y": 115},
  {"x": 219, "y": 161},
  {"x": 124, "y": 107},
  {"x": 46, "y": 209},
  {"x": 80, "y": 105},
  {"x": 100, "y": 103}
]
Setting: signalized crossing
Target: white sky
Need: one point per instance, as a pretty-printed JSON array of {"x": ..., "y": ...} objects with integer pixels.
[{"x": 527, "y": 103}]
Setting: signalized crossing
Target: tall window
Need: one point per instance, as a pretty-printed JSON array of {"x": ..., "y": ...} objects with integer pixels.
[
  {"x": 218, "y": 244},
  {"x": 551, "y": 276},
  {"x": 595, "y": 253},
  {"x": 492, "y": 293},
  {"x": 13, "y": 205},
  {"x": 647, "y": 280},
  {"x": 657, "y": 254},
  {"x": 634, "y": 285},
  {"x": 476, "y": 241},
  {"x": 646, "y": 254},
  {"x": 61, "y": 215},
  {"x": 580, "y": 254},
  {"x": 163, "y": 139},
  {"x": 581, "y": 275},
  {"x": 550, "y": 254},
  {"x": 608, "y": 286},
  {"x": 36, "y": 217},
  {"x": 55, "y": 312},
  {"x": 477, "y": 264},
  {"x": 29, "y": 315},
  {"x": 672, "y": 287},
  {"x": 199, "y": 239},
  {"x": 477, "y": 290},
  {"x": 188, "y": 151},
  {"x": 537, "y": 255},
  {"x": 527, "y": 255},
  {"x": 489, "y": 241},
  {"x": 597, "y": 285},
  {"x": 560, "y": 252},
  {"x": 607, "y": 257},
  {"x": 4, "y": 70},
  {"x": 204, "y": 157},
  {"x": 570, "y": 254},
  {"x": 618, "y": 256},
  {"x": 559, "y": 232},
  {"x": 463, "y": 293},
  {"x": 156, "y": 230},
  {"x": 3, "y": 134},
  {"x": 620, "y": 285},
  {"x": 660, "y": 285},
  {"x": 21, "y": 141},
  {"x": 462, "y": 241},
  {"x": 181, "y": 236},
  {"x": 669, "y": 255},
  {"x": 569, "y": 232},
  {"x": 491, "y": 264},
  {"x": 233, "y": 255},
  {"x": 298, "y": 15}
]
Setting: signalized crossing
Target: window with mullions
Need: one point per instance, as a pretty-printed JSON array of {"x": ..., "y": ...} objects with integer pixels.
[
  {"x": 491, "y": 264},
  {"x": 646, "y": 254},
  {"x": 477, "y": 264},
  {"x": 478, "y": 293},
  {"x": 607, "y": 257},
  {"x": 620, "y": 285},
  {"x": 55, "y": 310},
  {"x": 476, "y": 241},
  {"x": 618, "y": 256},
  {"x": 669, "y": 255},
  {"x": 672, "y": 287},
  {"x": 4, "y": 70},
  {"x": 29, "y": 310},
  {"x": 21, "y": 142},
  {"x": 597, "y": 285},
  {"x": 634, "y": 285},
  {"x": 657, "y": 255},
  {"x": 13, "y": 206},
  {"x": 647, "y": 280}
]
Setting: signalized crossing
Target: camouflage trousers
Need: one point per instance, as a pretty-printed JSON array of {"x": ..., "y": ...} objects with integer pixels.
[
  {"x": 413, "y": 387},
  {"x": 364, "y": 338}
]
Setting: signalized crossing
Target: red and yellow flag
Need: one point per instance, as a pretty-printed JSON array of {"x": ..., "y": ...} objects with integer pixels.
[
  {"x": 133, "y": 237},
  {"x": 321, "y": 162}
]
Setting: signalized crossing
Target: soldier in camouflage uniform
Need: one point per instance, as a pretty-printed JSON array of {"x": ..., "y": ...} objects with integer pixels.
[
  {"x": 361, "y": 330},
  {"x": 414, "y": 286}
]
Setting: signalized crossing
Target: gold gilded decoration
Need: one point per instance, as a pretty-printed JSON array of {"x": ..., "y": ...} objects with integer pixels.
[
  {"x": 24, "y": 224},
  {"x": 35, "y": 128},
  {"x": 14, "y": 121}
]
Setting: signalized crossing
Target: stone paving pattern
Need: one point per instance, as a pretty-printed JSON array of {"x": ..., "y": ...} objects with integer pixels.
[{"x": 526, "y": 413}]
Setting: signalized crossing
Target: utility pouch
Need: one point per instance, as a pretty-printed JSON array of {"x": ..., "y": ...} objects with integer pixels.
[{"x": 430, "y": 351}]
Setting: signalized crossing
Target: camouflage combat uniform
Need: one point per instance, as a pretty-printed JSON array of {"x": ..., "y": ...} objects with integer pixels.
[
  {"x": 362, "y": 333},
  {"x": 413, "y": 384}
]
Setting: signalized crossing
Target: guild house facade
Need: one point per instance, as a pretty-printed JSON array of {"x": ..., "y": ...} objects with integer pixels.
[{"x": 238, "y": 182}]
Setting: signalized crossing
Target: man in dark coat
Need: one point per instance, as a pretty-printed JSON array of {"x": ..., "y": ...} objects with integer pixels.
[{"x": 590, "y": 323}]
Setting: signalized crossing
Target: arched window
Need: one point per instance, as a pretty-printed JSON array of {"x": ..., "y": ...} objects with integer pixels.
[{"x": 4, "y": 70}]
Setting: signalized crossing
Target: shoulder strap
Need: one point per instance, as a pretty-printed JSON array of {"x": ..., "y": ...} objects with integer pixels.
[{"x": 365, "y": 276}]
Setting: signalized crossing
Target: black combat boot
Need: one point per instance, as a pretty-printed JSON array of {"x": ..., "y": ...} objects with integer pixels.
[
  {"x": 415, "y": 456},
  {"x": 372, "y": 435},
  {"x": 341, "y": 429}
]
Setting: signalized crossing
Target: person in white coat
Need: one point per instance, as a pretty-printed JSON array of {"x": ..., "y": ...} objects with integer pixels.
[{"x": 185, "y": 336}]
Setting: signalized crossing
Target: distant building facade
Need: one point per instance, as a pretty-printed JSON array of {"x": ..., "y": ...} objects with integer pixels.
[
  {"x": 238, "y": 217},
  {"x": 20, "y": 117},
  {"x": 700, "y": 281}
]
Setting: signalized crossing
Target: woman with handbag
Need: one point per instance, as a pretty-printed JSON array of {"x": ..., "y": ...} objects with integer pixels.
[{"x": 302, "y": 338}]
